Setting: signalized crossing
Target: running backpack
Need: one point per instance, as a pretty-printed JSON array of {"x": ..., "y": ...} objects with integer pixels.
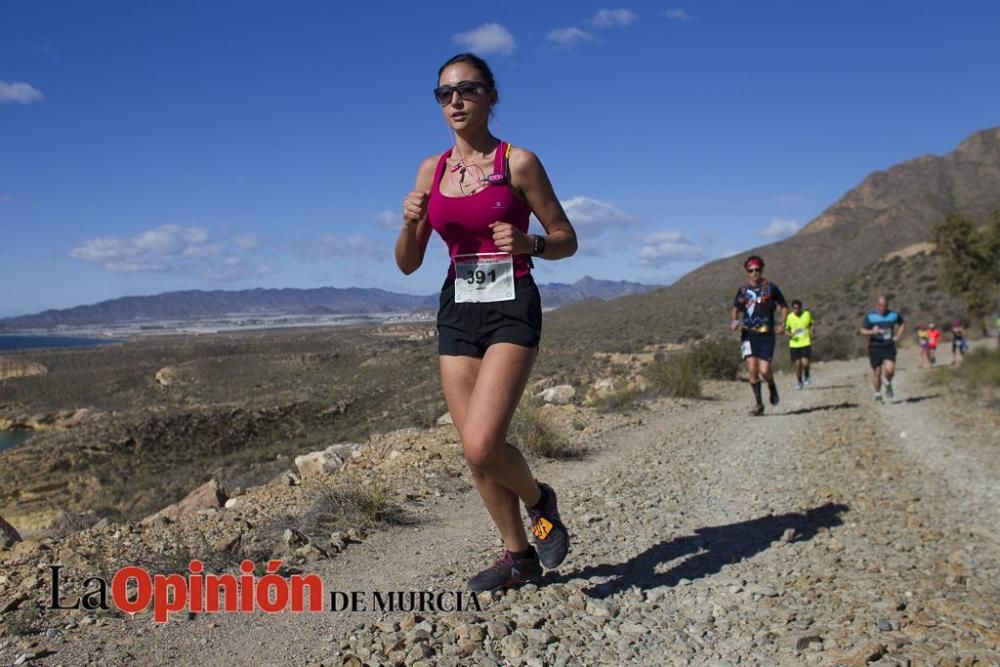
[{"x": 765, "y": 293}]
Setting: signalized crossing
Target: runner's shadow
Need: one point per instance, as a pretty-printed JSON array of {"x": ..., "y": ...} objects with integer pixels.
[
  {"x": 916, "y": 399},
  {"x": 829, "y": 386},
  {"x": 846, "y": 405},
  {"x": 707, "y": 551}
]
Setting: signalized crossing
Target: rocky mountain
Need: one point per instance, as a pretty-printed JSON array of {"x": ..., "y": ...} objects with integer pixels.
[
  {"x": 889, "y": 211},
  {"x": 889, "y": 214},
  {"x": 198, "y": 304}
]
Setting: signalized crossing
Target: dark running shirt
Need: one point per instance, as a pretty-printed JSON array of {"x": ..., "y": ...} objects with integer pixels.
[
  {"x": 758, "y": 305},
  {"x": 887, "y": 327}
]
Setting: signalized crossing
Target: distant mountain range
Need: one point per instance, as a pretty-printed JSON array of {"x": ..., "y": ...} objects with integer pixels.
[{"x": 198, "y": 304}]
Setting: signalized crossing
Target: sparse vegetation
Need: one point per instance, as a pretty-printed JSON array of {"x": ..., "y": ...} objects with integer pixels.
[
  {"x": 351, "y": 503},
  {"x": 678, "y": 376},
  {"x": 18, "y": 622},
  {"x": 717, "y": 359},
  {"x": 971, "y": 259},
  {"x": 535, "y": 432},
  {"x": 618, "y": 400},
  {"x": 979, "y": 374}
]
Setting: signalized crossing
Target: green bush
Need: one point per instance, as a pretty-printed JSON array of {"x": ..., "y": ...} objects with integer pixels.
[
  {"x": 535, "y": 433},
  {"x": 835, "y": 346},
  {"x": 717, "y": 359},
  {"x": 678, "y": 377}
]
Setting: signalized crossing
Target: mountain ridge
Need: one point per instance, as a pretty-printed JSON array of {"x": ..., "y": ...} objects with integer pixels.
[{"x": 193, "y": 304}]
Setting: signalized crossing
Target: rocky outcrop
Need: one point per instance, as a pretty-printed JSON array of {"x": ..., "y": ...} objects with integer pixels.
[
  {"x": 17, "y": 368},
  {"x": 560, "y": 394},
  {"x": 326, "y": 461},
  {"x": 8, "y": 535},
  {"x": 209, "y": 496}
]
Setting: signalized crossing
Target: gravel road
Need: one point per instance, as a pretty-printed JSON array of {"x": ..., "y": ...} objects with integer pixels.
[{"x": 831, "y": 531}]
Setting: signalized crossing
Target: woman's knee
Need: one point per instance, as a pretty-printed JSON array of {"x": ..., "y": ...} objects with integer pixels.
[{"x": 480, "y": 453}]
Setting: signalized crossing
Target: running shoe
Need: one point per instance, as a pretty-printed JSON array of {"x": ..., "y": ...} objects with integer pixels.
[
  {"x": 798, "y": 385},
  {"x": 509, "y": 571},
  {"x": 551, "y": 536},
  {"x": 772, "y": 394},
  {"x": 878, "y": 398},
  {"x": 888, "y": 390},
  {"x": 807, "y": 382},
  {"x": 757, "y": 410}
]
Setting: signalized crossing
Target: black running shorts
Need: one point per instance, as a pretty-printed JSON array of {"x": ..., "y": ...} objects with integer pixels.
[
  {"x": 761, "y": 345},
  {"x": 796, "y": 353},
  {"x": 878, "y": 355},
  {"x": 467, "y": 329}
]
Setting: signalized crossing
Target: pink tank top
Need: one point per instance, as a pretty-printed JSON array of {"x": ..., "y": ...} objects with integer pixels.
[{"x": 464, "y": 222}]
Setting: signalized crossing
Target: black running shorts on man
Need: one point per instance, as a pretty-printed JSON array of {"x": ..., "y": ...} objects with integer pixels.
[
  {"x": 760, "y": 345},
  {"x": 882, "y": 346},
  {"x": 467, "y": 329},
  {"x": 796, "y": 353},
  {"x": 878, "y": 355}
]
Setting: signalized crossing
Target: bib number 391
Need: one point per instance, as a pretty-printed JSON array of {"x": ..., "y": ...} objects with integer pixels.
[{"x": 484, "y": 278}]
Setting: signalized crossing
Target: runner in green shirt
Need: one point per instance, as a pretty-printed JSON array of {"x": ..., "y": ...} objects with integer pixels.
[{"x": 798, "y": 328}]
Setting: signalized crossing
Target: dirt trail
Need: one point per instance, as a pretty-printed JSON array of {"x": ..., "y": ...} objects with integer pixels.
[{"x": 817, "y": 534}]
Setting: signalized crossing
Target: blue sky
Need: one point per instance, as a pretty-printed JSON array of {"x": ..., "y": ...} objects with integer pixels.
[{"x": 155, "y": 146}]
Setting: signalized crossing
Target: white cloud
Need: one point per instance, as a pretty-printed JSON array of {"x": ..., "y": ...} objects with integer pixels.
[
  {"x": 19, "y": 92},
  {"x": 173, "y": 248},
  {"x": 589, "y": 212},
  {"x": 676, "y": 15},
  {"x": 613, "y": 18},
  {"x": 661, "y": 248},
  {"x": 780, "y": 228},
  {"x": 389, "y": 219},
  {"x": 247, "y": 241},
  {"x": 488, "y": 38},
  {"x": 567, "y": 36}
]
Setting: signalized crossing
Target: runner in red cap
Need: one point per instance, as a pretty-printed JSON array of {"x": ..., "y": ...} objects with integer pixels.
[{"x": 757, "y": 300}]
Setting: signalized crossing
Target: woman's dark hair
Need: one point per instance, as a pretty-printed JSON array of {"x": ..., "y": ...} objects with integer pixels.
[
  {"x": 476, "y": 62},
  {"x": 796, "y": 302}
]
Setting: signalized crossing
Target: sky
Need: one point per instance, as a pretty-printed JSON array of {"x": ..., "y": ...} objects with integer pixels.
[{"x": 148, "y": 147}]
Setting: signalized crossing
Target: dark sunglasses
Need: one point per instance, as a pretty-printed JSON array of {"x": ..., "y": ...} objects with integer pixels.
[
  {"x": 465, "y": 90},
  {"x": 754, "y": 270}
]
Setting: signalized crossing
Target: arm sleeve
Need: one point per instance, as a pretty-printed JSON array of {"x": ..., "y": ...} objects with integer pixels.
[{"x": 736, "y": 300}]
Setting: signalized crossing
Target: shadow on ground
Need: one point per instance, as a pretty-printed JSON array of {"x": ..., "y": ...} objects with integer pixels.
[
  {"x": 916, "y": 399},
  {"x": 706, "y": 551},
  {"x": 828, "y": 387},
  {"x": 846, "y": 405}
]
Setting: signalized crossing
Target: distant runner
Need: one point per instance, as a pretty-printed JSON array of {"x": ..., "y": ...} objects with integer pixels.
[
  {"x": 959, "y": 344},
  {"x": 933, "y": 340},
  {"x": 880, "y": 327},
  {"x": 799, "y": 329},
  {"x": 757, "y": 300},
  {"x": 923, "y": 345}
]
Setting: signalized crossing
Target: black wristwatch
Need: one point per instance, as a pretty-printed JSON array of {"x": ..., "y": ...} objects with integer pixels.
[{"x": 539, "y": 248}]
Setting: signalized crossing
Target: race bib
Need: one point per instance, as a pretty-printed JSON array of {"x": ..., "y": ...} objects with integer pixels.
[
  {"x": 484, "y": 278},
  {"x": 745, "y": 349},
  {"x": 885, "y": 334}
]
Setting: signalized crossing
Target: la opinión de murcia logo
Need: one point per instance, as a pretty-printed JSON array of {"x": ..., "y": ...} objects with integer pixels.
[{"x": 228, "y": 593}]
